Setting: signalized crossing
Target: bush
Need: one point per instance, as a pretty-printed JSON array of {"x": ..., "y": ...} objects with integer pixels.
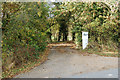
[
  {"x": 24, "y": 38},
  {"x": 22, "y": 44}
]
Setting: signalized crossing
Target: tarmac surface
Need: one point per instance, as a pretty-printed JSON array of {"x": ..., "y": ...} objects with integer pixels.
[
  {"x": 64, "y": 62},
  {"x": 111, "y": 73}
]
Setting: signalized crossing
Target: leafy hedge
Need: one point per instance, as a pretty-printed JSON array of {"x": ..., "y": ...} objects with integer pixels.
[
  {"x": 24, "y": 38},
  {"x": 101, "y": 24}
]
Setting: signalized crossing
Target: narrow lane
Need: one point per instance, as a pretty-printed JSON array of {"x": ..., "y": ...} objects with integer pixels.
[{"x": 64, "y": 62}]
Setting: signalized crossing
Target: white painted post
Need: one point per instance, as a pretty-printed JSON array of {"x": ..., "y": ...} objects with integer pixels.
[{"x": 84, "y": 39}]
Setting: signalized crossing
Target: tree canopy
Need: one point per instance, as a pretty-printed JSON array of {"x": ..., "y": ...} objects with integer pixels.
[{"x": 28, "y": 27}]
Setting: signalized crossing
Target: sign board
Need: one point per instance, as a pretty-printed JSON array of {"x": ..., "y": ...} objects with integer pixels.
[{"x": 84, "y": 39}]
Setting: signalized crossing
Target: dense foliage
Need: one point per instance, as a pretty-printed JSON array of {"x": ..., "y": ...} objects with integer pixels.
[
  {"x": 24, "y": 37},
  {"x": 97, "y": 18},
  {"x": 28, "y": 27}
]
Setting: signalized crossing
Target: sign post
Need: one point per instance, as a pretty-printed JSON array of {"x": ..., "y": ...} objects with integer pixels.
[{"x": 84, "y": 39}]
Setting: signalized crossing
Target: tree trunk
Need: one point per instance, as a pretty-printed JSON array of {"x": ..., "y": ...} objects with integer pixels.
[
  {"x": 59, "y": 36},
  {"x": 0, "y": 38},
  {"x": 66, "y": 34},
  {"x": 73, "y": 36}
]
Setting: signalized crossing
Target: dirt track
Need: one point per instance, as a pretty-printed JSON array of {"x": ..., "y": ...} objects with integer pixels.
[{"x": 64, "y": 62}]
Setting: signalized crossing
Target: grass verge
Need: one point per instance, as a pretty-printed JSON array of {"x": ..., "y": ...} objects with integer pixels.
[{"x": 101, "y": 53}]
